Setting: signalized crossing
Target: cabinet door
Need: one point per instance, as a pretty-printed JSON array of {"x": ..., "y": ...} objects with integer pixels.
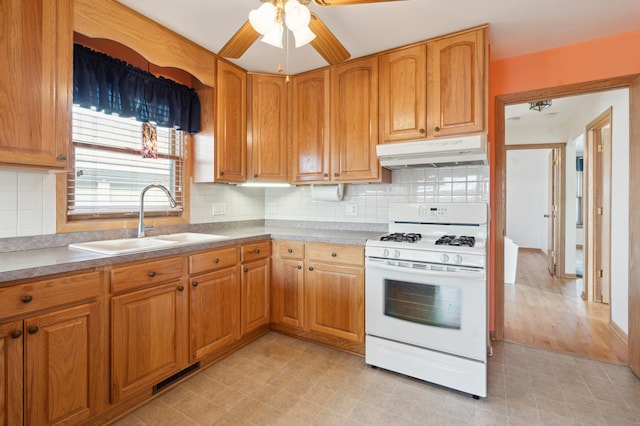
[
  {"x": 35, "y": 82},
  {"x": 310, "y": 127},
  {"x": 267, "y": 121},
  {"x": 354, "y": 121},
  {"x": 147, "y": 337},
  {"x": 287, "y": 290},
  {"x": 11, "y": 368},
  {"x": 403, "y": 94},
  {"x": 255, "y": 295},
  {"x": 456, "y": 84},
  {"x": 231, "y": 124},
  {"x": 215, "y": 311},
  {"x": 62, "y": 360},
  {"x": 336, "y": 300}
]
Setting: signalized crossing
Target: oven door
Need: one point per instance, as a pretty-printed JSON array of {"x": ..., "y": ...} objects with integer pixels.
[{"x": 443, "y": 309}]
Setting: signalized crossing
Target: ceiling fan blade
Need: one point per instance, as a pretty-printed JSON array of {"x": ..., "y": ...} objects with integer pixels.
[
  {"x": 348, "y": 2},
  {"x": 239, "y": 42},
  {"x": 326, "y": 43}
]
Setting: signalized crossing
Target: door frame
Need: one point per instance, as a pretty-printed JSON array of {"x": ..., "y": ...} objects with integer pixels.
[
  {"x": 630, "y": 81},
  {"x": 559, "y": 231}
]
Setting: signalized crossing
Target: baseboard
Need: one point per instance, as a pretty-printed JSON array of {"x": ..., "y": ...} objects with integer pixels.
[{"x": 619, "y": 332}]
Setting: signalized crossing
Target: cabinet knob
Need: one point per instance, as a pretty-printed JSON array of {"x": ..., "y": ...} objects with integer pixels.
[
  {"x": 326, "y": 175},
  {"x": 333, "y": 254},
  {"x": 61, "y": 157},
  {"x": 16, "y": 333},
  {"x": 255, "y": 176},
  {"x": 289, "y": 250},
  {"x": 221, "y": 173},
  {"x": 257, "y": 251},
  {"x": 195, "y": 283},
  {"x": 311, "y": 268},
  {"x": 33, "y": 329},
  {"x": 437, "y": 129},
  {"x": 152, "y": 274},
  {"x": 421, "y": 131},
  {"x": 336, "y": 174},
  {"x": 299, "y": 266},
  {"x": 216, "y": 260},
  {"x": 28, "y": 298},
  {"x": 246, "y": 269},
  {"x": 180, "y": 288}
]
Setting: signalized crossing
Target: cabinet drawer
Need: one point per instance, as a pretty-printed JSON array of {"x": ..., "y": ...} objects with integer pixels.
[
  {"x": 336, "y": 253},
  {"x": 141, "y": 274},
  {"x": 30, "y": 297},
  {"x": 255, "y": 251},
  {"x": 290, "y": 249},
  {"x": 212, "y": 260}
]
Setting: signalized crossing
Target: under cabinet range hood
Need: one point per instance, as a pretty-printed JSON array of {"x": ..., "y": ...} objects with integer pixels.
[{"x": 445, "y": 152}]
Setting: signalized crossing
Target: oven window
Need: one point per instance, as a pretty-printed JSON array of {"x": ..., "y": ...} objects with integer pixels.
[{"x": 435, "y": 305}]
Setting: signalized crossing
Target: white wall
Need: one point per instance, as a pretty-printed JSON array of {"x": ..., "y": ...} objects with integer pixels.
[
  {"x": 619, "y": 101},
  {"x": 232, "y": 203},
  {"x": 527, "y": 197}
]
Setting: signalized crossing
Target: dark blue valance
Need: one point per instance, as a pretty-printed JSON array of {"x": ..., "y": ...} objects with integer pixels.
[{"x": 115, "y": 87}]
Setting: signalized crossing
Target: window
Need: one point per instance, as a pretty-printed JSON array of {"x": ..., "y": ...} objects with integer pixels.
[{"x": 109, "y": 171}]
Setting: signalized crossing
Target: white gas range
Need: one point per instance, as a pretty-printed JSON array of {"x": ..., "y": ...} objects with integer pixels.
[{"x": 426, "y": 294}]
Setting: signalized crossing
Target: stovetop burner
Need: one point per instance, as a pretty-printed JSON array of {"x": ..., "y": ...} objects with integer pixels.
[
  {"x": 456, "y": 240},
  {"x": 401, "y": 237}
]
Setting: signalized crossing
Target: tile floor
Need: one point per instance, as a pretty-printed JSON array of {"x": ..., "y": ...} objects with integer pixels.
[{"x": 286, "y": 381}]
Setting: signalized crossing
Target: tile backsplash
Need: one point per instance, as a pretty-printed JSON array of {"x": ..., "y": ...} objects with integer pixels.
[{"x": 28, "y": 199}]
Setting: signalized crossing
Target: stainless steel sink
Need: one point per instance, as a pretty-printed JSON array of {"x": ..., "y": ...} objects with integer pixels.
[{"x": 135, "y": 245}]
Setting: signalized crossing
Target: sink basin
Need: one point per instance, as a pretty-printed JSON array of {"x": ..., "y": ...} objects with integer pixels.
[
  {"x": 123, "y": 246},
  {"x": 134, "y": 245},
  {"x": 191, "y": 238}
]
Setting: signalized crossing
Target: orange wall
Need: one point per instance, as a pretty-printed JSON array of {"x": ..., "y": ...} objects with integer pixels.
[{"x": 599, "y": 59}]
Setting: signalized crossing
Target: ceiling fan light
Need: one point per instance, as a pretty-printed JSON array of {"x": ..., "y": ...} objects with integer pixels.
[
  {"x": 274, "y": 36},
  {"x": 303, "y": 36},
  {"x": 297, "y": 16},
  {"x": 263, "y": 17}
]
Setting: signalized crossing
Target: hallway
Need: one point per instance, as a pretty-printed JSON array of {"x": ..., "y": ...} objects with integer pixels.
[{"x": 547, "y": 312}]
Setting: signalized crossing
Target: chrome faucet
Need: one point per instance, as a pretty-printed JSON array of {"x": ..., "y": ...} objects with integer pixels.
[{"x": 172, "y": 202}]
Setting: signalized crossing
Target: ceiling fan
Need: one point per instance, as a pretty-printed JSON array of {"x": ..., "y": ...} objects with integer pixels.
[{"x": 271, "y": 12}]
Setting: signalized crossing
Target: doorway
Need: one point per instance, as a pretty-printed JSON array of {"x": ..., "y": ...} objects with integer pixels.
[{"x": 499, "y": 187}]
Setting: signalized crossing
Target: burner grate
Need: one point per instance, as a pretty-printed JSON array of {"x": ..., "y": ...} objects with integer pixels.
[
  {"x": 400, "y": 237},
  {"x": 455, "y": 240}
]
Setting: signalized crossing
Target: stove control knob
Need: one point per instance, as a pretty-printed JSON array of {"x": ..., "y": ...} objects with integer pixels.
[
  {"x": 396, "y": 253},
  {"x": 457, "y": 260},
  {"x": 385, "y": 253},
  {"x": 444, "y": 258}
]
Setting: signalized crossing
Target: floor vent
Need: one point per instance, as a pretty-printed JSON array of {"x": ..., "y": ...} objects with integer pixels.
[{"x": 166, "y": 382}]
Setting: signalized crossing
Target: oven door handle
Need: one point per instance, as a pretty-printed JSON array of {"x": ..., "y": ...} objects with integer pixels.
[{"x": 373, "y": 264}]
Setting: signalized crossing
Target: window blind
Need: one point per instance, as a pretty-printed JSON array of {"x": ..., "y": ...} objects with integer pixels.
[{"x": 109, "y": 171}]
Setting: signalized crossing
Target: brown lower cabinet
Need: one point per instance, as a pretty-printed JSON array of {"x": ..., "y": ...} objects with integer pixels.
[
  {"x": 255, "y": 284},
  {"x": 50, "y": 354}
]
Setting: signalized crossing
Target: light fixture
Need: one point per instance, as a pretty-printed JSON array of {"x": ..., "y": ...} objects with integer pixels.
[
  {"x": 268, "y": 21},
  {"x": 540, "y": 105}
]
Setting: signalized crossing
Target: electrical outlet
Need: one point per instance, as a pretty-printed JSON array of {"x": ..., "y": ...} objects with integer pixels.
[
  {"x": 352, "y": 210},
  {"x": 271, "y": 208},
  {"x": 219, "y": 209}
]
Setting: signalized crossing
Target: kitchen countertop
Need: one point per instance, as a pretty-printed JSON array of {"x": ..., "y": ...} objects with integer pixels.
[{"x": 35, "y": 263}]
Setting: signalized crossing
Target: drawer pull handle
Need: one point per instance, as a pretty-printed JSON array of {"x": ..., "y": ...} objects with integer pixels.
[
  {"x": 33, "y": 329},
  {"x": 289, "y": 250},
  {"x": 27, "y": 299},
  {"x": 180, "y": 288},
  {"x": 216, "y": 260},
  {"x": 257, "y": 251},
  {"x": 246, "y": 269},
  {"x": 152, "y": 274},
  {"x": 195, "y": 284},
  {"x": 333, "y": 254},
  {"x": 299, "y": 266},
  {"x": 311, "y": 268},
  {"x": 16, "y": 333}
]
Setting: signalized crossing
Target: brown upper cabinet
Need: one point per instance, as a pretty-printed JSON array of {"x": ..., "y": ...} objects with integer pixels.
[
  {"x": 231, "y": 124},
  {"x": 403, "y": 94},
  {"x": 310, "y": 126},
  {"x": 36, "y": 47},
  {"x": 267, "y": 128},
  {"x": 457, "y": 84}
]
